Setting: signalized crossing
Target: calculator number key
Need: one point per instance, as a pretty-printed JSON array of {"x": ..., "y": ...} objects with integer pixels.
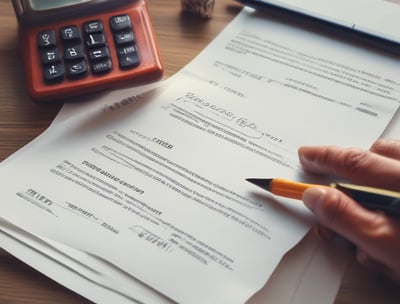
[
  {"x": 46, "y": 39},
  {"x": 74, "y": 53},
  {"x": 95, "y": 40},
  {"x": 54, "y": 73},
  {"x": 70, "y": 33},
  {"x": 77, "y": 70},
  {"x": 50, "y": 56},
  {"x": 99, "y": 54}
]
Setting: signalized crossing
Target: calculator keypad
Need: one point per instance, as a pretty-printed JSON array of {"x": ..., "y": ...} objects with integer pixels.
[{"x": 74, "y": 52}]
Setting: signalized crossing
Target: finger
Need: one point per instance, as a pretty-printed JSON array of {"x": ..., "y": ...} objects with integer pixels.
[
  {"x": 373, "y": 232},
  {"x": 336, "y": 211},
  {"x": 376, "y": 235},
  {"x": 359, "y": 166},
  {"x": 387, "y": 147}
]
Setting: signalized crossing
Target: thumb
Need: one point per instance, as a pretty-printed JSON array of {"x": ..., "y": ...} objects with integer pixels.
[
  {"x": 335, "y": 210},
  {"x": 375, "y": 234}
]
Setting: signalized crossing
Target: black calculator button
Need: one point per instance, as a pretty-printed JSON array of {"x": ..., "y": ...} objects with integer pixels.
[
  {"x": 99, "y": 54},
  {"x": 74, "y": 52},
  {"x": 94, "y": 26},
  {"x": 95, "y": 40},
  {"x": 46, "y": 39},
  {"x": 124, "y": 40},
  {"x": 77, "y": 70},
  {"x": 50, "y": 56},
  {"x": 128, "y": 57},
  {"x": 102, "y": 67},
  {"x": 54, "y": 73},
  {"x": 70, "y": 33},
  {"x": 124, "y": 37},
  {"x": 75, "y": 56},
  {"x": 129, "y": 61},
  {"x": 119, "y": 23},
  {"x": 126, "y": 50}
]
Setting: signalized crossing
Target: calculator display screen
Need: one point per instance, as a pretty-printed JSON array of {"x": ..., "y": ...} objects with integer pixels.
[{"x": 41, "y": 5}]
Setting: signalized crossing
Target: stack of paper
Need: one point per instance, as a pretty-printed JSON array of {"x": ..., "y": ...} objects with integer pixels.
[{"x": 140, "y": 196}]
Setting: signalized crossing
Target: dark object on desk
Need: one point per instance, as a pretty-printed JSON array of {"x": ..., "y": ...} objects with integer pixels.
[
  {"x": 369, "y": 197},
  {"x": 337, "y": 27},
  {"x": 202, "y": 8}
]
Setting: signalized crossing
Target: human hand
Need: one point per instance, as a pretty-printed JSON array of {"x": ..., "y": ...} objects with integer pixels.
[{"x": 375, "y": 235}]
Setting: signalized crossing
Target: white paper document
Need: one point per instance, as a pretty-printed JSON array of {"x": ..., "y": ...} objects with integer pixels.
[
  {"x": 153, "y": 185},
  {"x": 375, "y": 17},
  {"x": 311, "y": 271}
]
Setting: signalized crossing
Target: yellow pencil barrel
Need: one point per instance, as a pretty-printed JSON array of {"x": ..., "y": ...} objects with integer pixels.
[{"x": 287, "y": 188}]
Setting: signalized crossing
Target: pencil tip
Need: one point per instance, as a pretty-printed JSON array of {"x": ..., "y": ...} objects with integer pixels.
[{"x": 264, "y": 183}]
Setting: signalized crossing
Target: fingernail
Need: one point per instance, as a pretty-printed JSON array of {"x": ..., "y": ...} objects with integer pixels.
[
  {"x": 305, "y": 160},
  {"x": 313, "y": 196}
]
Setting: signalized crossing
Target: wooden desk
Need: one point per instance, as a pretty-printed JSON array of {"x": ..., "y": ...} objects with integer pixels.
[{"x": 180, "y": 37}]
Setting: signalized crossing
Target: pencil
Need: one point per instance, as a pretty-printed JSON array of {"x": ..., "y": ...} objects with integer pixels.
[{"x": 369, "y": 197}]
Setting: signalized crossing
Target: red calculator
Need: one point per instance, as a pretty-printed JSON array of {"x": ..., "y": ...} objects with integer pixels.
[{"x": 74, "y": 47}]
